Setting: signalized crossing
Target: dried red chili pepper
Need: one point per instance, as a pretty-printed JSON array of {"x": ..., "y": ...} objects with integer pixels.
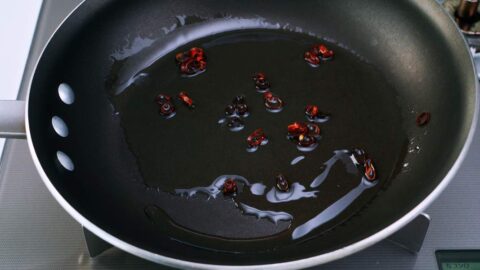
[
  {"x": 272, "y": 102},
  {"x": 268, "y": 95},
  {"x": 230, "y": 110},
  {"x": 304, "y": 135},
  {"x": 234, "y": 113},
  {"x": 167, "y": 109},
  {"x": 296, "y": 129},
  {"x": 369, "y": 170},
  {"x": 311, "y": 111},
  {"x": 236, "y": 110},
  {"x": 313, "y": 114},
  {"x": 257, "y": 138},
  {"x": 317, "y": 54},
  {"x": 185, "y": 66},
  {"x": 185, "y": 98},
  {"x": 365, "y": 163},
  {"x": 423, "y": 119},
  {"x": 282, "y": 183},
  {"x": 311, "y": 58},
  {"x": 328, "y": 55},
  {"x": 197, "y": 53},
  {"x": 192, "y": 66},
  {"x": 261, "y": 82},
  {"x": 324, "y": 53},
  {"x": 229, "y": 187},
  {"x": 241, "y": 110},
  {"x": 262, "y": 86},
  {"x": 191, "y": 62}
]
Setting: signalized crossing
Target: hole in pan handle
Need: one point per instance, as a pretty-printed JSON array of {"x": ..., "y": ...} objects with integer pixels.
[{"x": 12, "y": 119}]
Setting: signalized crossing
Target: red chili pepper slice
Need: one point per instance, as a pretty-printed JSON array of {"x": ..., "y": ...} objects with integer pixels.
[
  {"x": 282, "y": 183},
  {"x": 312, "y": 111},
  {"x": 256, "y": 138},
  {"x": 311, "y": 58},
  {"x": 192, "y": 61},
  {"x": 229, "y": 187},
  {"x": 185, "y": 98},
  {"x": 370, "y": 173},
  {"x": 296, "y": 129}
]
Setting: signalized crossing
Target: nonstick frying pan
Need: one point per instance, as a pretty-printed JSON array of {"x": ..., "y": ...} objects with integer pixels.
[{"x": 116, "y": 165}]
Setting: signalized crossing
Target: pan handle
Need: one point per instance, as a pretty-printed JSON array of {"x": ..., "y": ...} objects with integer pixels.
[{"x": 12, "y": 119}]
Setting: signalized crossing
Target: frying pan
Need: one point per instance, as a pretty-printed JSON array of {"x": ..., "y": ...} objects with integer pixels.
[{"x": 98, "y": 145}]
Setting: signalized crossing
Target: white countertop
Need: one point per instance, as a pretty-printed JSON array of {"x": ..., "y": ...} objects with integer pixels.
[{"x": 17, "y": 26}]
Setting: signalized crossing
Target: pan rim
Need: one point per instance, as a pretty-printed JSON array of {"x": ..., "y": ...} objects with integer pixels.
[{"x": 301, "y": 263}]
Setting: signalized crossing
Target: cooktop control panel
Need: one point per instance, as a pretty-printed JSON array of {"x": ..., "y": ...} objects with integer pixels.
[{"x": 458, "y": 259}]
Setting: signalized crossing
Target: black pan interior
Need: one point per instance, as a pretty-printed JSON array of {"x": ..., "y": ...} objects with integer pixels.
[{"x": 404, "y": 56}]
